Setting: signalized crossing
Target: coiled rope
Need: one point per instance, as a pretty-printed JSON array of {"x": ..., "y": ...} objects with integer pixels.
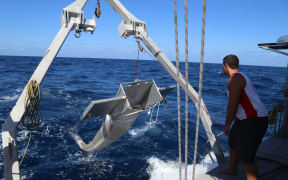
[
  {"x": 186, "y": 82},
  {"x": 200, "y": 86},
  {"x": 32, "y": 118},
  {"x": 178, "y": 88}
]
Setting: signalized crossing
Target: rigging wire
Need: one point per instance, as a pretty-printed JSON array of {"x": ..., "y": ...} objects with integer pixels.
[
  {"x": 178, "y": 88},
  {"x": 140, "y": 48},
  {"x": 186, "y": 83},
  {"x": 200, "y": 86}
]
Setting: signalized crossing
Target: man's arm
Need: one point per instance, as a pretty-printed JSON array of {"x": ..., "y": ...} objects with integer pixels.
[{"x": 235, "y": 87}]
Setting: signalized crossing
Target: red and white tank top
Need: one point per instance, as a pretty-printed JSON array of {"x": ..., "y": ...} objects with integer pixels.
[{"x": 250, "y": 104}]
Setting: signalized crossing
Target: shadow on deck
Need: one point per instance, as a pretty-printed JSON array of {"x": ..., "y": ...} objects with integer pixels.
[{"x": 272, "y": 163}]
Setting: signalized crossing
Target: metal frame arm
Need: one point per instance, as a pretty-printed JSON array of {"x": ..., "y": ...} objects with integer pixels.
[
  {"x": 274, "y": 50},
  {"x": 138, "y": 29},
  {"x": 72, "y": 18},
  {"x": 11, "y": 164},
  {"x": 122, "y": 11},
  {"x": 205, "y": 117}
]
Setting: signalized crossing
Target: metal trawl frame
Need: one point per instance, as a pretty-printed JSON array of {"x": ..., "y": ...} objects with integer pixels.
[{"x": 121, "y": 112}]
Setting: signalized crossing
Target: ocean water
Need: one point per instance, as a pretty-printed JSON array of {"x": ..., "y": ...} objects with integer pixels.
[{"x": 146, "y": 151}]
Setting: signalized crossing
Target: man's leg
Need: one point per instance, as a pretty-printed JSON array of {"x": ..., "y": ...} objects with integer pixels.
[
  {"x": 251, "y": 171},
  {"x": 260, "y": 128},
  {"x": 233, "y": 163}
]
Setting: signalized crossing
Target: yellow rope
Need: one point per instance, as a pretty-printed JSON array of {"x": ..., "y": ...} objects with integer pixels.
[
  {"x": 32, "y": 116},
  {"x": 26, "y": 149}
]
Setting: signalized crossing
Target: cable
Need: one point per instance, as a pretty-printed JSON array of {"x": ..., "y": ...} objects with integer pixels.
[
  {"x": 186, "y": 87},
  {"x": 200, "y": 87},
  {"x": 140, "y": 48},
  {"x": 178, "y": 88}
]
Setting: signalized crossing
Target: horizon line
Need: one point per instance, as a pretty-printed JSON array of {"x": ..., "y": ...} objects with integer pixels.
[{"x": 136, "y": 59}]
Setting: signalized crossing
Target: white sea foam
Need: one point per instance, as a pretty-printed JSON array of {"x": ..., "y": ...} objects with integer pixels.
[
  {"x": 138, "y": 132},
  {"x": 19, "y": 90},
  {"x": 149, "y": 126},
  {"x": 166, "y": 170},
  {"x": 22, "y": 135},
  {"x": 9, "y": 98}
]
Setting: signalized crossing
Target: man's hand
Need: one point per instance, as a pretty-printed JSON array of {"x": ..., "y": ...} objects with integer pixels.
[{"x": 225, "y": 130}]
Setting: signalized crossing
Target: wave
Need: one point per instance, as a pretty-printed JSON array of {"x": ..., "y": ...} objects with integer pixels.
[
  {"x": 138, "y": 132},
  {"x": 22, "y": 135},
  {"x": 159, "y": 169},
  {"x": 9, "y": 98}
]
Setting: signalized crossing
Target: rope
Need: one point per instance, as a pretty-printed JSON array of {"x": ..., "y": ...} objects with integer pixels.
[
  {"x": 200, "y": 86},
  {"x": 32, "y": 118},
  {"x": 178, "y": 88},
  {"x": 186, "y": 82},
  {"x": 153, "y": 58},
  {"x": 98, "y": 10},
  {"x": 140, "y": 48},
  {"x": 137, "y": 61},
  {"x": 26, "y": 148}
]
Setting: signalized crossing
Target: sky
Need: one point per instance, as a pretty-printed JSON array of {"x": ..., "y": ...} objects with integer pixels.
[{"x": 232, "y": 27}]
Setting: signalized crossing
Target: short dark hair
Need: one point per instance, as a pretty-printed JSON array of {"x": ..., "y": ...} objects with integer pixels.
[{"x": 232, "y": 61}]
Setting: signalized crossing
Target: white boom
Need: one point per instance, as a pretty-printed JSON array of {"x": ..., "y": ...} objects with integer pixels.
[{"x": 73, "y": 18}]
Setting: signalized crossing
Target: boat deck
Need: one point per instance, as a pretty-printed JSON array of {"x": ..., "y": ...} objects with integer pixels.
[{"x": 272, "y": 163}]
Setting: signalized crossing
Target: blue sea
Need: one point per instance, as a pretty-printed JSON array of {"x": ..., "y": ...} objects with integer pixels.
[{"x": 145, "y": 151}]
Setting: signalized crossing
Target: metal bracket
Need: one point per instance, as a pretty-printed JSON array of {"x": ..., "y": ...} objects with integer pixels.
[
  {"x": 81, "y": 24},
  {"x": 132, "y": 28}
]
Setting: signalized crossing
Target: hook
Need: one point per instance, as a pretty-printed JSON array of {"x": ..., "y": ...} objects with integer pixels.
[{"x": 77, "y": 34}]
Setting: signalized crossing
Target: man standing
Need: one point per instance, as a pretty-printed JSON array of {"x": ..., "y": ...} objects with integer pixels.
[{"x": 250, "y": 119}]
